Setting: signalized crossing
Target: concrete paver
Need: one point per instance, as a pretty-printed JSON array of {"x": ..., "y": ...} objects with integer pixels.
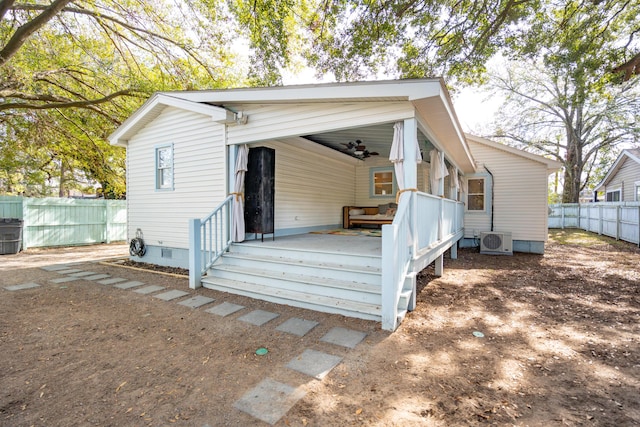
[
  {"x": 30, "y": 285},
  {"x": 111, "y": 281},
  {"x": 258, "y": 317},
  {"x": 64, "y": 279},
  {"x": 172, "y": 294},
  {"x": 80, "y": 273},
  {"x": 297, "y": 326},
  {"x": 344, "y": 337},
  {"x": 96, "y": 277},
  {"x": 129, "y": 285},
  {"x": 196, "y": 301},
  {"x": 314, "y": 363},
  {"x": 148, "y": 289},
  {"x": 225, "y": 309},
  {"x": 68, "y": 271},
  {"x": 269, "y": 400}
]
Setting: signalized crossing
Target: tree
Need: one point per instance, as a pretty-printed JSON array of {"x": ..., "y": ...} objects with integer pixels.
[
  {"x": 548, "y": 112},
  {"x": 71, "y": 71}
]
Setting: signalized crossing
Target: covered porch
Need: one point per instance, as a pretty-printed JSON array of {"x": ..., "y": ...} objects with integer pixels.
[{"x": 320, "y": 172}]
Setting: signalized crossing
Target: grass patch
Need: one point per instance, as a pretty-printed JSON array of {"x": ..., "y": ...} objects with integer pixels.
[{"x": 578, "y": 237}]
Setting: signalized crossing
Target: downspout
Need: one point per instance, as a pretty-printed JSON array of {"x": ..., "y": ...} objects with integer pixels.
[{"x": 492, "y": 184}]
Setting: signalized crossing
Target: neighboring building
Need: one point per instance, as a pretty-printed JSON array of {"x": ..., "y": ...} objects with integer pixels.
[
  {"x": 331, "y": 145},
  {"x": 622, "y": 181}
]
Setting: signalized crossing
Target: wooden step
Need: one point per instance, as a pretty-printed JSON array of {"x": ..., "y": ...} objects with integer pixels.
[
  {"x": 321, "y": 303},
  {"x": 349, "y": 290},
  {"x": 319, "y": 268}
]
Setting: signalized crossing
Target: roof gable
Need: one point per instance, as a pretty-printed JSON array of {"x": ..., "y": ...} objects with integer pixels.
[
  {"x": 551, "y": 165},
  {"x": 152, "y": 109},
  {"x": 632, "y": 154}
]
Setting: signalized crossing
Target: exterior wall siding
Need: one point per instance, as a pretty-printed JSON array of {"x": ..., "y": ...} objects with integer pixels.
[
  {"x": 520, "y": 195},
  {"x": 268, "y": 122},
  {"x": 199, "y": 173},
  {"x": 310, "y": 189},
  {"x": 625, "y": 179}
]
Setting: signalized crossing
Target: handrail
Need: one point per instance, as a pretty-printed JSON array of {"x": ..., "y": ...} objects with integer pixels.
[
  {"x": 209, "y": 238},
  {"x": 397, "y": 254}
]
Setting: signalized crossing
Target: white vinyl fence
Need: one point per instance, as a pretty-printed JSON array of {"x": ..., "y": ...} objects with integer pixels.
[
  {"x": 66, "y": 222},
  {"x": 618, "y": 220}
]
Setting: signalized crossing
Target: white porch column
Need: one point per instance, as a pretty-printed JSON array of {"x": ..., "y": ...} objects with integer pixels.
[{"x": 411, "y": 173}]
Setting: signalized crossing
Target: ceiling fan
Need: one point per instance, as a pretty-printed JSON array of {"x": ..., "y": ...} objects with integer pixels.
[{"x": 357, "y": 149}]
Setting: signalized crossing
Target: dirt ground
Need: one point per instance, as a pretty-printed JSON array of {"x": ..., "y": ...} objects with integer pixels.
[{"x": 561, "y": 346}]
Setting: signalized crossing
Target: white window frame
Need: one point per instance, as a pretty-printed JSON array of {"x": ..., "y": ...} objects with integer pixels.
[
  {"x": 160, "y": 169},
  {"x": 484, "y": 195},
  {"x": 617, "y": 190},
  {"x": 372, "y": 182},
  {"x": 637, "y": 191}
]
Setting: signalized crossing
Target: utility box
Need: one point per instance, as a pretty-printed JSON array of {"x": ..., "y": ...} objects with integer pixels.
[{"x": 10, "y": 235}]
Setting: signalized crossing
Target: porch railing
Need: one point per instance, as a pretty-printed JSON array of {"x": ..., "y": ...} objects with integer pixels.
[
  {"x": 437, "y": 223},
  {"x": 447, "y": 214},
  {"x": 209, "y": 238},
  {"x": 397, "y": 253}
]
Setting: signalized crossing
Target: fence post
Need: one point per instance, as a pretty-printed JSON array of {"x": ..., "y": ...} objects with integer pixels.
[
  {"x": 195, "y": 256},
  {"x": 618, "y": 225},
  {"x": 600, "y": 210},
  {"x": 108, "y": 212},
  {"x": 25, "y": 224},
  {"x": 562, "y": 217}
]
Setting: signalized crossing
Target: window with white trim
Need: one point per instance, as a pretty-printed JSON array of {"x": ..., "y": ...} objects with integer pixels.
[
  {"x": 637, "y": 192},
  {"x": 475, "y": 194},
  {"x": 382, "y": 184},
  {"x": 614, "y": 195},
  {"x": 164, "y": 167}
]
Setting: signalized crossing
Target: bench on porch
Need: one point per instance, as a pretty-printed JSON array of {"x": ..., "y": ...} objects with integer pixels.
[{"x": 368, "y": 215}]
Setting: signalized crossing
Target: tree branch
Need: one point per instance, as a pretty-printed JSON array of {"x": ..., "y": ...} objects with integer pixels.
[
  {"x": 25, "y": 31},
  {"x": 59, "y": 102}
]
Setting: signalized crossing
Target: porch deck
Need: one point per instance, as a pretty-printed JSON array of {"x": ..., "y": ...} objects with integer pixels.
[{"x": 336, "y": 243}]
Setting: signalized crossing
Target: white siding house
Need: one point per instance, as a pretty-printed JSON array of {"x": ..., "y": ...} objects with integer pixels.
[
  {"x": 515, "y": 194},
  {"x": 332, "y": 147},
  {"x": 622, "y": 182}
]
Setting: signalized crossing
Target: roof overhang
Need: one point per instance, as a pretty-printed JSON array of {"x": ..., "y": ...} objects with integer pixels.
[
  {"x": 630, "y": 154},
  {"x": 154, "y": 106},
  {"x": 551, "y": 165},
  {"x": 382, "y": 90}
]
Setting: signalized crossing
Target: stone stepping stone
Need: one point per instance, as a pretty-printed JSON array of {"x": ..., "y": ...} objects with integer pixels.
[
  {"x": 314, "y": 363},
  {"x": 129, "y": 285},
  {"x": 269, "y": 401},
  {"x": 197, "y": 301},
  {"x": 81, "y": 273},
  {"x": 258, "y": 317},
  {"x": 297, "y": 326},
  {"x": 55, "y": 267},
  {"x": 64, "y": 279},
  {"x": 68, "y": 271},
  {"x": 111, "y": 281},
  {"x": 172, "y": 294},
  {"x": 224, "y": 309},
  {"x": 149, "y": 289},
  {"x": 22, "y": 286},
  {"x": 344, "y": 337},
  {"x": 96, "y": 277}
]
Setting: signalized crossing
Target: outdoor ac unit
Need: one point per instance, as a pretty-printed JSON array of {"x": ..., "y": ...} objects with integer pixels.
[{"x": 496, "y": 243}]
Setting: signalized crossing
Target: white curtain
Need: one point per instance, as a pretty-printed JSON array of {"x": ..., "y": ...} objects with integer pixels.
[
  {"x": 397, "y": 153},
  {"x": 237, "y": 218},
  {"x": 437, "y": 171}
]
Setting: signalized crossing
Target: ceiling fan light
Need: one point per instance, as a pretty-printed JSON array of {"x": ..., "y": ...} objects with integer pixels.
[{"x": 358, "y": 153}]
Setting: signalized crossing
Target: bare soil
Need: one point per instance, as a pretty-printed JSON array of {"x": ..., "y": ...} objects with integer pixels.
[{"x": 560, "y": 346}]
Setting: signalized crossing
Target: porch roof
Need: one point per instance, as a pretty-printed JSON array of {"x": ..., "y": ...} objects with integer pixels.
[{"x": 429, "y": 97}]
